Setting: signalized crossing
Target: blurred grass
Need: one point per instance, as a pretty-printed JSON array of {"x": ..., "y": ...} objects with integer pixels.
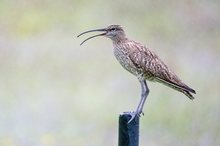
[{"x": 54, "y": 92}]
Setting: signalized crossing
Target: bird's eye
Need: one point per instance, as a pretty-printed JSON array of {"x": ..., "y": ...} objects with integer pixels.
[{"x": 113, "y": 29}]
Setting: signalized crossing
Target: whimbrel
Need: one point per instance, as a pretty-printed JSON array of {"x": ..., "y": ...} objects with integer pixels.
[{"x": 141, "y": 62}]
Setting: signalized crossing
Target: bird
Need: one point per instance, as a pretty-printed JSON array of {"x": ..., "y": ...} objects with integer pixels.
[{"x": 142, "y": 62}]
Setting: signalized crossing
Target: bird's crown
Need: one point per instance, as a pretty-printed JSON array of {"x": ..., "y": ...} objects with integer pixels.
[{"x": 115, "y": 28}]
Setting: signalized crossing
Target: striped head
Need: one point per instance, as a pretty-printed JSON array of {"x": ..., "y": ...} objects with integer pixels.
[{"x": 114, "y": 32}]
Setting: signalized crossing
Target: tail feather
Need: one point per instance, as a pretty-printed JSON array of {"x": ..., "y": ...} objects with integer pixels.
[
  {"x": 181, "y": 88},
  {"x": 188, "y": 94}
]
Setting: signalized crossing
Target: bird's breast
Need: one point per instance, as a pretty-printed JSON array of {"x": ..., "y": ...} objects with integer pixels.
[{"x": 122, "y": 55}]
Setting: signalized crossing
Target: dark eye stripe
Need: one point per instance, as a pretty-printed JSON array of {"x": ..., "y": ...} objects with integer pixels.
[{"x": 113, "y": 29}]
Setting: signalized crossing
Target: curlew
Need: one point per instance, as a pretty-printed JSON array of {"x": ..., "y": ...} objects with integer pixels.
[{"x": 141, "y": 62}]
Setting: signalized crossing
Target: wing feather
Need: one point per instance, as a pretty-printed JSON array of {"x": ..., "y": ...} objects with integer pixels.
[{"x": 153, "y": 66}]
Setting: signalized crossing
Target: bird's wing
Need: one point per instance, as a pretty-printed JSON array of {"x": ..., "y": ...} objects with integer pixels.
[{"x": 150, "y": 63}]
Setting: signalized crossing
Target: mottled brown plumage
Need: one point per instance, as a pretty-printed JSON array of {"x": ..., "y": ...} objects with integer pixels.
[{"x": 142, "y": 62}]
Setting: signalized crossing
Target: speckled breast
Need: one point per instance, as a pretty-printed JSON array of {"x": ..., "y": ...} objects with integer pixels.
[{"x": 122, "y": 55}]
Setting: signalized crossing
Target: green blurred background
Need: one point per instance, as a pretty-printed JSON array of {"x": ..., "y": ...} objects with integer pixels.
[{"x": 55, "y": 93}]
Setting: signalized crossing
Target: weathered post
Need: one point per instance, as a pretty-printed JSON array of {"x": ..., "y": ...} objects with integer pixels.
[{"x": 128, "y": 132}]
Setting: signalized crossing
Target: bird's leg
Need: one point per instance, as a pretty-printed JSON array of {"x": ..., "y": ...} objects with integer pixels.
[{"x": 144, "y": 94}]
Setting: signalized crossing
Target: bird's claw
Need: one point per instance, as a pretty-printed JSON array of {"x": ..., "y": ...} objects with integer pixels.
[{"x": 134, "y": 114}]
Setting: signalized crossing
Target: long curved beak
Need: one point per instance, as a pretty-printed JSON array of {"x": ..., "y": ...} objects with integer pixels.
[{"x": 101, "y": 34}]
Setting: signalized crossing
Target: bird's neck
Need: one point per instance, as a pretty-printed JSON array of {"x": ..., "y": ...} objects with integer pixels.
[{"x": 119, "y": 39}]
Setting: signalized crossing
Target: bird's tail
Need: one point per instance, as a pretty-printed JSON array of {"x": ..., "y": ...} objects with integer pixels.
[
  {"x": 188, "y": 94},
  {"x": 181, "y": 88}
]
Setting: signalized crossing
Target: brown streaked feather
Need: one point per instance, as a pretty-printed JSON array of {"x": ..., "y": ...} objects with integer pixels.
[
  {"x": 154, "y": 68},
  {"x": 185, "y": 87},
  {"x": 186, "y": 90}
]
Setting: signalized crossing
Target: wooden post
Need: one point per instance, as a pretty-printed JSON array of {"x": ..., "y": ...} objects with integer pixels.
[{"x": 128, "y": 132}]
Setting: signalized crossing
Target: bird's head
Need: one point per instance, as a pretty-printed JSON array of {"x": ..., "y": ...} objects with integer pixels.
[{"x": 114, "y": 32}]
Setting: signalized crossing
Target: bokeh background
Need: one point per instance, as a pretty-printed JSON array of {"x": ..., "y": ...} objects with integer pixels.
[{"x": 54, "y": 92}]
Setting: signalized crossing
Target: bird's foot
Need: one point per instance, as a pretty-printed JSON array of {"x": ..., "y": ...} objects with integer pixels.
[{"x": 134, "y": 114}]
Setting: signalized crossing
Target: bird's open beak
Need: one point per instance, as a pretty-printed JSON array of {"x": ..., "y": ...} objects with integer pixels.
[{"x": 101, "y": 34}]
